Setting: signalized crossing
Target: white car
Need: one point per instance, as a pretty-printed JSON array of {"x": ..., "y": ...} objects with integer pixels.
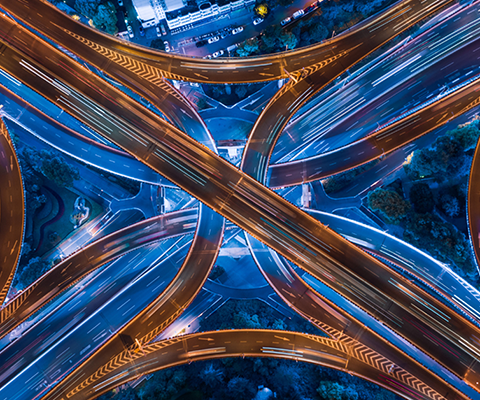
[
  {"x": 218, "y": 53},
  {"x": 213, "y": 39},
  {"x": 159, "y": 32},
  {"x": 120, "y": 3},
  {"x": 167, "y": 46},
  {"x": 257, "y": 21},
  {"x": 298, "y": 14},
  {"x": 286, "y": 21},
  {"x": 237, "y": 30},
  {"x": 130, "y": 32}
]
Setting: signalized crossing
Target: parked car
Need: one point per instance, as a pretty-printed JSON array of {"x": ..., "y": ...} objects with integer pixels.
[
  {"x": 286, "y": 21},
  {"x": 201, "y": 43},
  {"x": 237, "y": 30},
  {"x": 224, "y": 34},
  {"x": 232, "y": 47},
  {"x": 120, "y": 3},
  {"x": 141, "y": 30},
  {"x": 164, "y": 31},
  {"x": 257, "y": 21},
  {"x": 218, "y": 53},
  {"x": 159, "y": 33},
  {"x": 167, "y": 46},
  {"x": 298, "y": 14},
  {"x": 208, "y": 57},
  {"x": 130, "y": 32},
  {"x": 213, "y": 39}
]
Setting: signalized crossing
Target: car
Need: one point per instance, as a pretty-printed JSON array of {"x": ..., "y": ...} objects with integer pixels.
[
  {"x": 286, "y": 21},
  {"x": 141, "y": 30},
  {"x": 298, "y": 14},
  {"x": 167, "y": 46},
  {"x": 201, "y": 43},
  {"x": 159, "y": 32},
  {"x": 130, "y": 32},
  {"x": 213, "y": 39},
  {"x": 208, "y": 57},
  {"x": 164, "y": 31},
  {"x": 237, "y": 30},
  {"x": 257, "y": 21},
  {"x": 218, "y": 53},
  {"x": 224, "y": 34},
  {"x": 120, "y": 3}
]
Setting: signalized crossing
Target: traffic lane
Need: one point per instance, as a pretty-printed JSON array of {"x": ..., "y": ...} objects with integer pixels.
[
  {"x": 151, "y": 321},
  {"x": 33, "y": 343},
  {"x": 70, "y": 142},
  {"x": 417, "y": 89},
  {"x": 89, "y": 258},
  {"x": 91, "y": 332},
  {"x": 248, "y": 343},
  {"x": 12, "y": 214},
  {"x": 212, "y": 71},
  {"x": 343, "y": 322},
  {"x": 202, "y": 255},
  {"x": 295, "y": 93},
  {"x": 379, "y": 143},
  {"x": 421, "y": 265},
  {"x": 292, "y": 239},
  {"x": 416, "y": 56}
]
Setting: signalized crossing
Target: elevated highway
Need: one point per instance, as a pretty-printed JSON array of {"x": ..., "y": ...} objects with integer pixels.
[
  {"x": 48, "y": 20},
  {"x": 12, "y": 211},
  {"x": 243, "y": 200},
  {"x": 256, "y": 343}
]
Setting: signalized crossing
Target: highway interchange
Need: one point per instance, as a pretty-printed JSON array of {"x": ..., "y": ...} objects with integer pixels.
[{"x": 383, "y": 294}]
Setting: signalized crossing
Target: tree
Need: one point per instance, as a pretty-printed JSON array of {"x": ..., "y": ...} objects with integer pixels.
[
  {"x": 157, "y": 44},
  {"x": 243, "y": 320},
  {"x": 389, "y": 203},
  {"x": 202, "y": 104},
  {"x": 87, "y": 7},
  {"x": 241, "y": 91},
  {"x": 57, "y": 170},
  {"x": 35, "y": 268},
  {"x": 421, "y": 197},
  {"x": 441, "y": 239},
  {"x": 240, "y": 389},
  {"x": 467, "y": 134},
  {"x": 106, "y": 18},
  {"x": 248, "y": 47},
  {"x": 211, "y": 376},
  {"x": 450, "y": 205},
  {"x": 164, "y": 385},
  {"x": 330, "y": 390},
  {"x": 288, "y": 40},
  {"x": 443, "y": 159}
]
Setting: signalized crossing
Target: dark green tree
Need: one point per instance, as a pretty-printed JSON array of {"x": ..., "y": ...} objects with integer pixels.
[
  {"x": 55, "y": 168},
  {"x": 212, "y": 376},
  {"x": 444, "y": 159},
  {"x": 106, "y": 18},
  {"x": 87, "y": 7},
  {"x": 442, "y": 240},
  {"x": 34, "y": 269},
  {"x": 467, "y": 134},
  {"x": 240, "y": 389},
  {"x": 248, "y": 47},
  {"x": 330, "y": 390},
  {"x": 389, "y": 203},
  {"x": 421, "y": 197},
  {"x": 157, "y": 44}
]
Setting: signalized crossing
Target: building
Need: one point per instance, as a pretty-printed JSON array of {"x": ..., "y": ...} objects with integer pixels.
[
  {"x": 151, "y": 12},
  {"x": 204, "y": 11}
]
